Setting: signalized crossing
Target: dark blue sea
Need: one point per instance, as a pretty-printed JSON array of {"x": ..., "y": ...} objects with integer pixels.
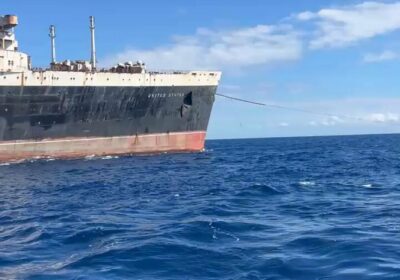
[{"x": 288, "y": 208}]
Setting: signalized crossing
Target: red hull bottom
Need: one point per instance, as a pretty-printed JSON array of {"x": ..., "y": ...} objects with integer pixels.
[{"x": 82, "y": 147}]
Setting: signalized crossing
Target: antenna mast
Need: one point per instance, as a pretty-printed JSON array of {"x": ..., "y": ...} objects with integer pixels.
[
  {"x": 93, "y": 50},
  {"x": 52, "y": 35}
]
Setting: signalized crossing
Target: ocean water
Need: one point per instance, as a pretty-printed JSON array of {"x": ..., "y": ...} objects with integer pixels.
[{"x": 294, "y": 208}]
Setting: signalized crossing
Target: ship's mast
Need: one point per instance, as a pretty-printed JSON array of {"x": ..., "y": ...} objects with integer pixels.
[
  {"x": 52, "y": 35},
  {"x": 93, "y": 43}
]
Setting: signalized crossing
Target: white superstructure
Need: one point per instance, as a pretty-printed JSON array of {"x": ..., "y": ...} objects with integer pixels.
[
  {"x": 11, "y": 60},
  {"x": 16, "y": 69}
]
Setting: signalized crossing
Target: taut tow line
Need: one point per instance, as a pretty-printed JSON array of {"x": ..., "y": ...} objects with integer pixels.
[{"x": 291, "y": 108}]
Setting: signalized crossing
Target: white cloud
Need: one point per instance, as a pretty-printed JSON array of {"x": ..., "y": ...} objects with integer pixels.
[
  {"x": 380, "y": 57},
  {"x": 349, "y": 111},
  {"x": 266, "y": 44},
  {"x": 367, "y": 118},
  {"x": 208, "y": 49},
  {"x": 284, "y": 124},
  {"x": 304, "y": 16},
  {"x": 383, "y": 117},
  {"x": 328, "y": 121},
  {"x": 347, "y": 25}
]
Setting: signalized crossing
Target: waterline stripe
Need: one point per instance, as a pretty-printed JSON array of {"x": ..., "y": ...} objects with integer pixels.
[{"x": 99, "y": 138}]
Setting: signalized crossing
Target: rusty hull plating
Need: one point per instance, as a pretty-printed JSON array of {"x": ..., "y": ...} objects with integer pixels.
[{"x": 119, "y": 145}]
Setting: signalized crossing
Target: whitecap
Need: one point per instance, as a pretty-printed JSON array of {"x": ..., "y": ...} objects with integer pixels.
[
  {"x": 367, "y": 185},
  {"x": 307, "y": 183},
  {"x": 90, "y": 157},
  {"x": 107, "y": 157}
]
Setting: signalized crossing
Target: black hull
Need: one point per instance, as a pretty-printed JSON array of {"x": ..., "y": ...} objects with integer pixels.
[{"x": 37, "y": 113}]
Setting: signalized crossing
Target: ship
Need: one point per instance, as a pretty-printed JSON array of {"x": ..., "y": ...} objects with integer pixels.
[{"x": 75, "y": 109}]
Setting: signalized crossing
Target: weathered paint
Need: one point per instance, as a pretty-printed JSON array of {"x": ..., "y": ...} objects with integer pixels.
[
  {"x": 101, "y": 146},
  {"x": 62, "y": 112}
]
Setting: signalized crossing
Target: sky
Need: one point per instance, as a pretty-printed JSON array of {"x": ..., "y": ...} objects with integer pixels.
[{"x": 333, "y": 64}]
